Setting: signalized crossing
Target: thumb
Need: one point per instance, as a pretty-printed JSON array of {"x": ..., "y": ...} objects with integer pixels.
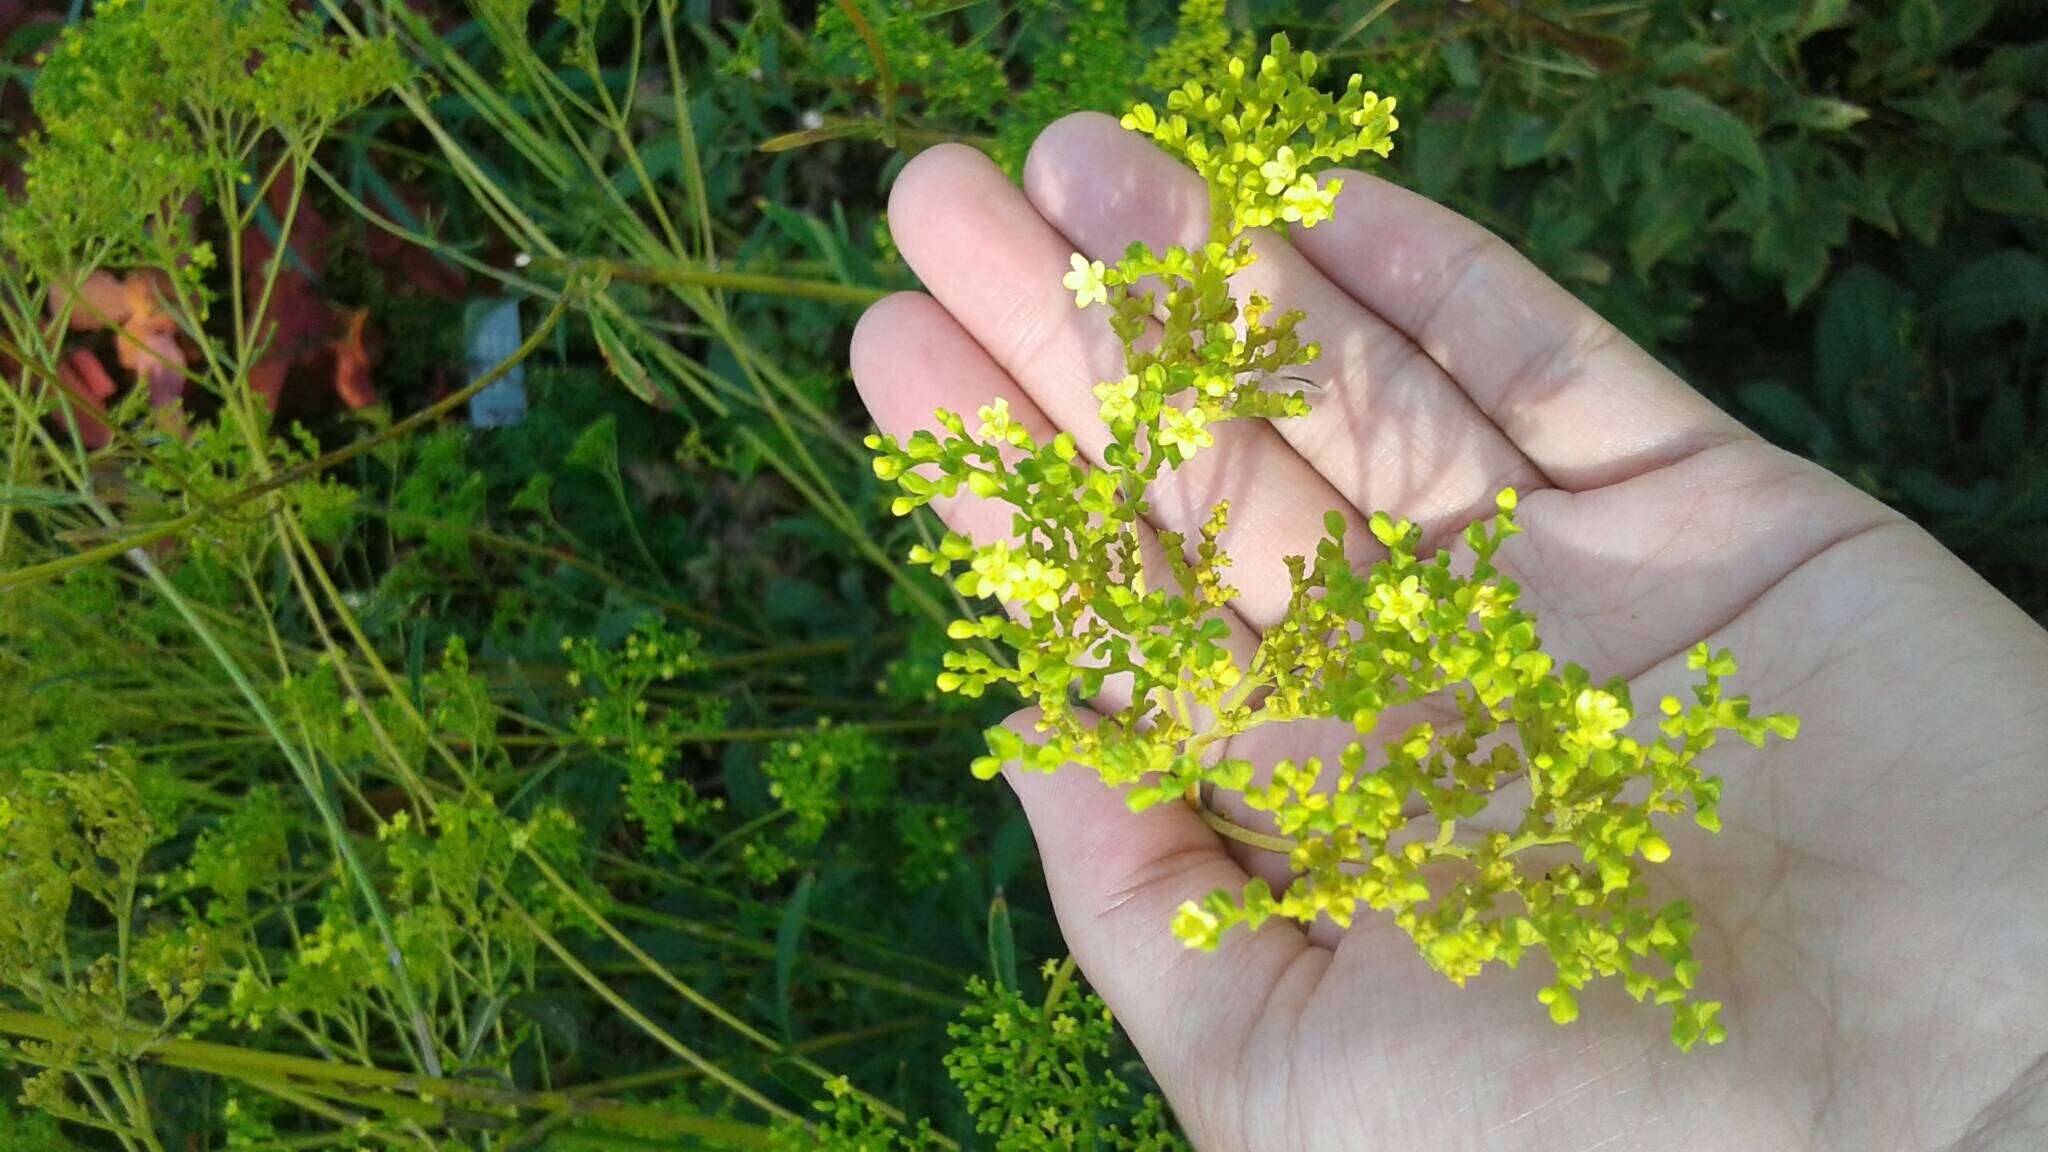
[{"x": 1116, "y": 878}]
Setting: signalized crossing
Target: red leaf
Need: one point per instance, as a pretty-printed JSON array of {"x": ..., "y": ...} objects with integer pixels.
[
  {"x": 102, "y": 303},
  {"x": 88, "y": 388},
  {"x": 148, "y": 346},
  {"x": 352, "y": 364}
]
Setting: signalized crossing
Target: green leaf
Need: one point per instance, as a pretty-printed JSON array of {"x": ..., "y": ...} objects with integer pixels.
[
  {"x": 1002, "y": 944},
  {"x": 1865, "y": 199},
  {"x": 1460, "y": 62},
  {"x": 1930, "y": 28},
  {"x": 2005, "y": 424},
  {"x": 597, "y": 446},
  {"x": 1011, "y": 850},
  {"x": 1709, "y": 124},
  {"x": 1787, "y": 416},
  {"x": 536, "y": 495},
  {"x": 618, "y": 355},
  {"x": 1922, "y": 204},
  {"x": 29, "y": 497},
  {"x": 1527, "y": 137},
  {"x": 2009, "y": 185},
  {"x": 789, "y": 936},
  {"x": 1826, "y": 114},
  {"x": 1859, "y": 339},
  {"x": 559, "y": 1019},
  {"x": 416, "y": 668},
  {"x": 1820, "y": 15},
  {"x": 1665, "y": 217},
  {"x": 1996, "y": 289},
  {"x": 1798, "y": 242}
]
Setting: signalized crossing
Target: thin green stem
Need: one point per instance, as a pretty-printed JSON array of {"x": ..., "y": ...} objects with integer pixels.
[{"x": 683, "y": 275}]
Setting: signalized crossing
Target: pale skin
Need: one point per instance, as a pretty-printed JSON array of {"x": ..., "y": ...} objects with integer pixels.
[{"x": 1875, "y": 914}]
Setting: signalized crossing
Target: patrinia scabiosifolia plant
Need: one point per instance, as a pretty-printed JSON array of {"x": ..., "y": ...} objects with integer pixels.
[{"x": 1380, "y": 828}]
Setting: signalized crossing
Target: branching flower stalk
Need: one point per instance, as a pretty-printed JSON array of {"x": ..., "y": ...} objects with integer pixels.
[{"x": 1088, "y": 612}]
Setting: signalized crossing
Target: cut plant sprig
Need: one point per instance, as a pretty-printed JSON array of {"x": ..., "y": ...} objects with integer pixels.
[{"x": 1083, "y": 608}]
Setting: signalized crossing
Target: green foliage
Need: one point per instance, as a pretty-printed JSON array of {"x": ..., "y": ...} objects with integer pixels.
[
  {"x": 933, "y": 839},
  {"x": 932, "y": 65},
  {"x": 1352, "y": 645},
  {"x": 215, "y": 463},
  {"x": 1083, "y": 62},
  {"x": 616, "y": 720},
  {"x": 1203, "y": 45},
  {"x": 1035, "y": 1076},
  {"x": 1738, "y": 141},
  {"x": 817, "y": 776},
  {"x": 73, "y": 847},
  {"x": 441, "y": 497},
  {"x": 311, "y": 667},
  {"x": 903, "y": 46},
  {"x": 847, "y": 1123},
  {"x": 31, "y": 1133},
  {"x": 154, "y": 102}
]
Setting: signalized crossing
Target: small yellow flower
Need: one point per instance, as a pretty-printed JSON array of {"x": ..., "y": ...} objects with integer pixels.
[
  {"x": 1280, "y": 171},
  {"x": 1307, "y": 204},
  {"x": 995, "y": 421},
  {"x": 1197, "y": 927},
  {"x": 1119, "y": 400},
  {"x": 1400, "y": 604},
  {"x": 1599, "y": 716},
  {"x": 1184, "y": 432},
  {"x": 1086, "y": 281},
  {"x": 998, "y": 573}
]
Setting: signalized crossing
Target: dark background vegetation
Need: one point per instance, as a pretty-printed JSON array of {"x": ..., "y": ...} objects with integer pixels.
[{"x": 1830, "y": 217}]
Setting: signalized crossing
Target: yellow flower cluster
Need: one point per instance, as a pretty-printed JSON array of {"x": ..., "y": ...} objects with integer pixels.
[
  {"x": 1384, "y": 828},
  {"x": 1259, "y": 136}
]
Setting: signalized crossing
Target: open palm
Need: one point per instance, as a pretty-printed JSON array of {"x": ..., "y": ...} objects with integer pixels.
[{"x": 1875, "y": 913}]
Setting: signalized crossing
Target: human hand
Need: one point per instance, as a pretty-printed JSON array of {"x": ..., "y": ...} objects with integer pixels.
[{"x": 1875, "y": 912}]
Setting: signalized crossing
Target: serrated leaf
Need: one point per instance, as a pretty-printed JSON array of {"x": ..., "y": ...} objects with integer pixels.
[{"x": 1708, "y": 123}]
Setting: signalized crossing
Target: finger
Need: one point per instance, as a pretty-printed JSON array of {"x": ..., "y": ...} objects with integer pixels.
[
  {"x": 909, "y": 358},
  {"x": 1578, "y": 398},
  {"x": 987, "y": 255},
  {"x": 1116, "y": 878},
  {"x": 1391, "y": 431}
]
